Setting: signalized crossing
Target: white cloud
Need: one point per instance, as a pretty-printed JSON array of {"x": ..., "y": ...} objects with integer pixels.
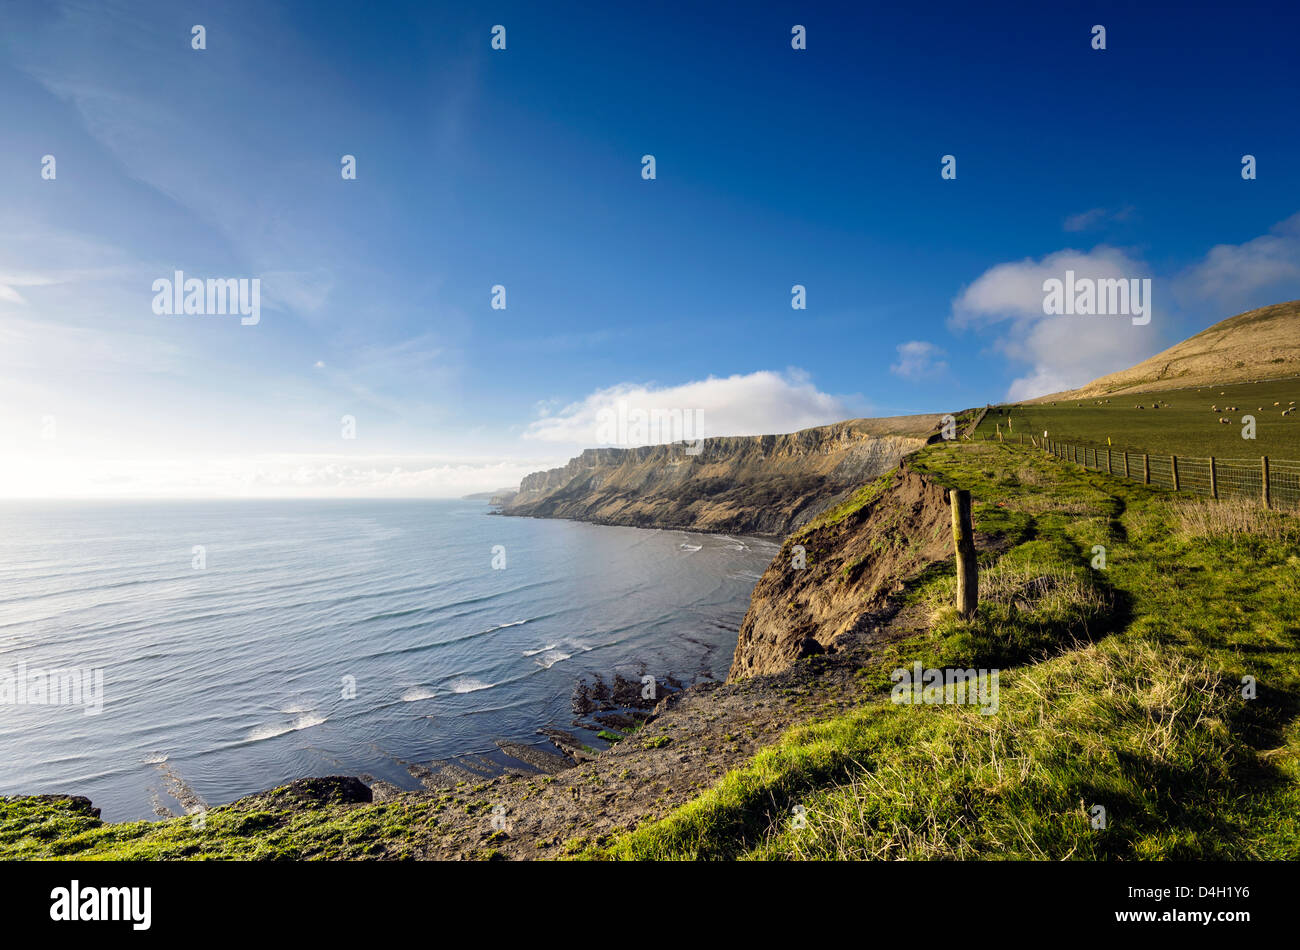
[
  {"x": 1235, "y": 275},
  {"x": 918, "y": 359},
  {"x": 759, "y": 403},
  {"x": 1062, "y": 351}
]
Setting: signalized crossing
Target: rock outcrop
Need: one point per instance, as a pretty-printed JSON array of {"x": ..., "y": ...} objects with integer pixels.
[
  {"x": 765, "y": 485},
  {"x": 854, "y": 557}
]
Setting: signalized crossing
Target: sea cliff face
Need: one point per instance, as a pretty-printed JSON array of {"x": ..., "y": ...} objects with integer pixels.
[
  {"x": 833, "y": 579},
  {"x": 766, "y": 485}
]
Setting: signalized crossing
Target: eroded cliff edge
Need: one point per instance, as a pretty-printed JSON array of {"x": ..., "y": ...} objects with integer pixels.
[
  {"x": 833, "y": 579},
  {"x": 768, "y": 485}
]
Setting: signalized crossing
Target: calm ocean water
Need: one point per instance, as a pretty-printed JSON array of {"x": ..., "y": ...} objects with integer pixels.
[{"x": 231, "y": 676}]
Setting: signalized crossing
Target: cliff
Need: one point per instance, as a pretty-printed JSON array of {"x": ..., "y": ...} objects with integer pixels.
[
  {"x": 834, "y": 578},
  {"x": 766, "y": 484}
]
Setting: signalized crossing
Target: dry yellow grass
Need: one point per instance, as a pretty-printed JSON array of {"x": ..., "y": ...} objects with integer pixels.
[
  {"x": 1208, "y": 519},
  {"x": 1258, "y": 344}
]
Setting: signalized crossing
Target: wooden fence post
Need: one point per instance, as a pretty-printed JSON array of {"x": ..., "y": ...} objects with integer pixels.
[
  {"x": 1214, "y": 480},
  {"x": 1173, "y": 465},
  {"x": 1109, "y": 468},
  {"x": 1126, "y": 474},
  {"x": 1146, "y": 469},
  {"x": 1264, "y": 472},
  {"x": 963, "y": 537}
]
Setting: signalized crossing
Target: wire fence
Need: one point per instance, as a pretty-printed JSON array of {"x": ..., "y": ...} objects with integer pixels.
[{"x": 1274, "y": 483}]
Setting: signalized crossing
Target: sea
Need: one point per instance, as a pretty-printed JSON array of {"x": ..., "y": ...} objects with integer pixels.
[{"x": 238, "y": 645}]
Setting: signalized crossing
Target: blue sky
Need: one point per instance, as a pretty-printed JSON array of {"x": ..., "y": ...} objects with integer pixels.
[{"x": 522, "y": 167}]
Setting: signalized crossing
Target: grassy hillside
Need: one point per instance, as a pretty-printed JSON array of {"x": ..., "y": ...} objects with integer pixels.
[
  {"x": 1184, "y": 424},
  {"x": 1258, "y": 344},
  {"x": 1120, "y": 687}
]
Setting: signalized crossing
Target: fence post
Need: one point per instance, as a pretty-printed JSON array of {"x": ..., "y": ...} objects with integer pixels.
[
  {"x": 1214, "y": 480},
  {"x": 1173, "y": 464},
  {"x": 1109, "y": 468},
  {"x": 1126, "y": 474},
  {"x": 963, "y": 538},
  {"x": 1146, "y": 469},
  {"x": 1264, "y": 472}
]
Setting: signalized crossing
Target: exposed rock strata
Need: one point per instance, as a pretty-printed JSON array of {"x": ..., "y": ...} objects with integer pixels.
[{"x": 764, "y": 485}]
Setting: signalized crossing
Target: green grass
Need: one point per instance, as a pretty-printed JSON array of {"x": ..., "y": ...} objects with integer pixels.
[
  {"x": 1184, "y": 425},
  {"x": 31, "y": 828},
  {"x": 1120, "y": 688},
  {"x": 854, "y": 503}
]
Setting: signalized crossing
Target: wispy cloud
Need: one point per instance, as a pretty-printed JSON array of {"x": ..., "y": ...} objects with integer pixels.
[
  {"x": 919, "y": 359},
  {"x": 1097, "y": 217},
  {"x": 1242, "y": 276}
]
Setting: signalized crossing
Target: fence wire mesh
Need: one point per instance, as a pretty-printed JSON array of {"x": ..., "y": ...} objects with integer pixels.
[{"x": 1214, "y": 477}]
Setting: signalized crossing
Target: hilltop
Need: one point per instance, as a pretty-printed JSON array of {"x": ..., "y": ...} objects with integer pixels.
[{"x": 1258, "y": 344}]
